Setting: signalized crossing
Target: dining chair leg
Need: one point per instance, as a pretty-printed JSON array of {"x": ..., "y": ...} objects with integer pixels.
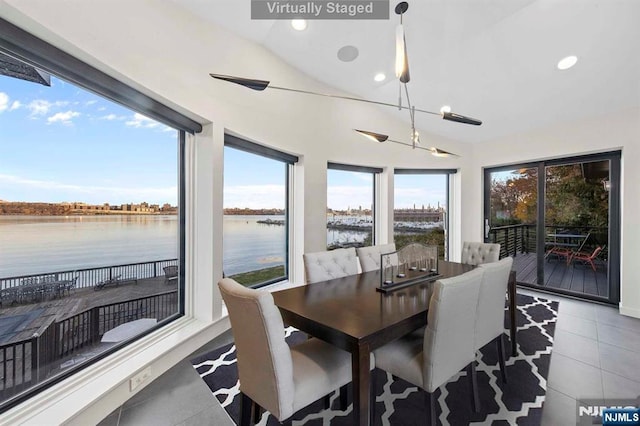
[
  {"x": 473, "y": 383},
  {"x": 257, "y": 413},
  {"x": 500, "y": 347},
  {"x": 372, "y": 396},
  {"x": 431, "y": 396},
  {"x": 245, "y": 410},
  {"x": 344, "y": 398}
]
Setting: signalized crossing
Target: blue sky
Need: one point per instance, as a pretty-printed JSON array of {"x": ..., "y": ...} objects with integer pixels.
[
  {"x": 256, "y": 182},
  {"x": 420, "y": 190},
  {"x": 355, "y": 189},
  {"x": 63, "y": 143}
]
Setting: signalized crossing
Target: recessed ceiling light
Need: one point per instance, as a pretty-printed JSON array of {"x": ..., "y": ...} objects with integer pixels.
[
  {"x": 568, "y": 62},
  {"x": 379, "y": 77},
  {"x": 299, "y": 24},
  {"x": 445, "y": 108}
]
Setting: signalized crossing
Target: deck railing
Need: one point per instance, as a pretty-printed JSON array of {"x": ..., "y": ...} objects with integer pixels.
[
  {"x": 26, "y": 362},
  {"x": 89, "y": 277},
  {"x": 522, "y": 238}
]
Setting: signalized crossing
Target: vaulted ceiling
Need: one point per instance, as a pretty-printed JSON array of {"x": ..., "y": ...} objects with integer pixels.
[{"x": 490, "y": 59}]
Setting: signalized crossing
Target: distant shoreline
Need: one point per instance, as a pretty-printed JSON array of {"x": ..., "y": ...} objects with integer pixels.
[{"x": 24, "y": 208}]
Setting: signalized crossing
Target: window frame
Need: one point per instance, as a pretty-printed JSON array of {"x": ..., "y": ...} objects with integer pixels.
[
  {"x": 375, "y": 173},
  {"x": 289, "y": 161},
  {"x": 448, "y": 173},
  {"x": 21, "y": 45}
]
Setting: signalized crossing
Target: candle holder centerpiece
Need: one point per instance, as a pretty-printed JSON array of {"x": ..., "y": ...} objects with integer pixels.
[{"x": 412, "y": 264}]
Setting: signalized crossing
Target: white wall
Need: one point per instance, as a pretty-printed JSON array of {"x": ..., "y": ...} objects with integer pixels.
[
  {"x": 168, "y": 54},
  {"x": 619, "y": 131}
]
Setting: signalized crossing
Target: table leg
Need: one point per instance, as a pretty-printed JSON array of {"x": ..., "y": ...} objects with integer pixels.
[
  {"x": 361, "y": 374},
  {"x": 512, "y": 313}
]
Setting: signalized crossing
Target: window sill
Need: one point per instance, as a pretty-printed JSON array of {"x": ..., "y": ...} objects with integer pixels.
[
  {"x": 281, "y": 285},
  {"x": 93, "y": 393}
]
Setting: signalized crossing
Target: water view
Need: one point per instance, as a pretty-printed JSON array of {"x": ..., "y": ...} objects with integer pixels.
[{"x": 41, "y": 244}]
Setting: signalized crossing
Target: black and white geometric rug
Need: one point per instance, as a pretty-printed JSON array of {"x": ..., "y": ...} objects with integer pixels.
[{"x": 519, "y": 402}]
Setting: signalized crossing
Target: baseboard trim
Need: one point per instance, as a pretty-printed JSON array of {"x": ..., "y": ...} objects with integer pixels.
[{"x": 630, "y": 312}]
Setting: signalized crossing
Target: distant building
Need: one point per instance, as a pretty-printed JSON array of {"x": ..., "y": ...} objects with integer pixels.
[{"x": 415, "y": 215}]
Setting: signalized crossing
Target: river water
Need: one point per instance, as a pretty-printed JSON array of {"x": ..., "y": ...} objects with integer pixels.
[{"x": 40, "y": 244}]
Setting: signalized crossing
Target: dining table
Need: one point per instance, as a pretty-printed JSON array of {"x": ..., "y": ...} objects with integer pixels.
[{"x": 349, "y": 313}]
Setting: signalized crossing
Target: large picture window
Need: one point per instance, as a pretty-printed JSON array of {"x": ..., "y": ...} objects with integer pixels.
[
  {"x": 256, "y": 187},
  {"x": 91, "y": 217},
  {"x": 350, "y": 206},
  {"x": 421, "y": 207}
]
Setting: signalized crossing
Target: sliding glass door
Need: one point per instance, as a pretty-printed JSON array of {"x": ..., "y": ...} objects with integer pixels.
[
  {"x": 577, "y": 199},
  {"x": 512, "y": 219}
]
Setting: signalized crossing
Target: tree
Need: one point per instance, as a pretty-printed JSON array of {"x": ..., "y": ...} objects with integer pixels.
[{"x": 571, "y": 198}]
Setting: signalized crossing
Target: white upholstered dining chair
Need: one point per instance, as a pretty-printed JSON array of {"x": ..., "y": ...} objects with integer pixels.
[
  {"x": 429, "y": 360},
  {"x": 369, "y": 257},
  {"x": 478, "y": 253},
  {"x": 326, "y": 265},
  {"x": 490, "y": 315},
  {"x": 276, "y": 377}
]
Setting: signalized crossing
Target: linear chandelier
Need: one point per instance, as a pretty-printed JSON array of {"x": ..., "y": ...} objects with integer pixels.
[{"x": 403, "y": 75}]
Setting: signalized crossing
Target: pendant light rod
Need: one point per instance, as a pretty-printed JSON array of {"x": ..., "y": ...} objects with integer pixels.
[
  {"x": 380, "y": 137},
  {"x": 434, "y": 151},
  {"x": 446, "y": 116},
  {"x": 351, "y": 98},
  {"x": 261, "y": 85}
]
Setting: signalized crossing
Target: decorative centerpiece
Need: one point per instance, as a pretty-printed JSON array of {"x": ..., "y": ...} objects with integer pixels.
[{"x": 412, "y": 264}]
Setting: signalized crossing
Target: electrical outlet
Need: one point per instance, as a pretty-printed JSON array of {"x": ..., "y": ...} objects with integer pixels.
[{"x": 139, "y": 378}]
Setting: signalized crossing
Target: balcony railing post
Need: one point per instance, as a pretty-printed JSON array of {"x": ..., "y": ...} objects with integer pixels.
[
  {"x": 35, "y": 356},
  {"x": 506, "y": 240},
  {"x": 521, "y": 240},
  {"x": 95, "y": 324}
]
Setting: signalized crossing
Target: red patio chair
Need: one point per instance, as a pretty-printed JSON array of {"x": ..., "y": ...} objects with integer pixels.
[
  {"x": 587, "y": 257},
  {"x": 560, "y": 252}
]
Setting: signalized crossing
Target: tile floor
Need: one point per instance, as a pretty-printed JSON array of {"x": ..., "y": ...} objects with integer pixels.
[{"x": 596, "y": 354}]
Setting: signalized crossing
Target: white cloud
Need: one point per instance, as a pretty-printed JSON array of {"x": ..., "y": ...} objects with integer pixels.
[
  {"x": 15, "y": 105},
  {"x": 111, "y": 117},
  {"x": 91, "y": 102},
  {"x": 4, "y": 101},
  {"x": 63, "y": 117},
  {"x": 140, "y": 120},
  {"x": 42, "y": 106},
  {"x": 39, "y": 107}
]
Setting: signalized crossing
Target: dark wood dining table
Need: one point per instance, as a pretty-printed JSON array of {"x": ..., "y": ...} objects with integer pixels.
[{"x": 350, "y": 314}]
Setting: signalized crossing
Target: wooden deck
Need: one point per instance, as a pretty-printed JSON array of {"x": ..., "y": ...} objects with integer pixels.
[
  {"x": 43, "y": 313},
  {"x": 576, "y": 277}
]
